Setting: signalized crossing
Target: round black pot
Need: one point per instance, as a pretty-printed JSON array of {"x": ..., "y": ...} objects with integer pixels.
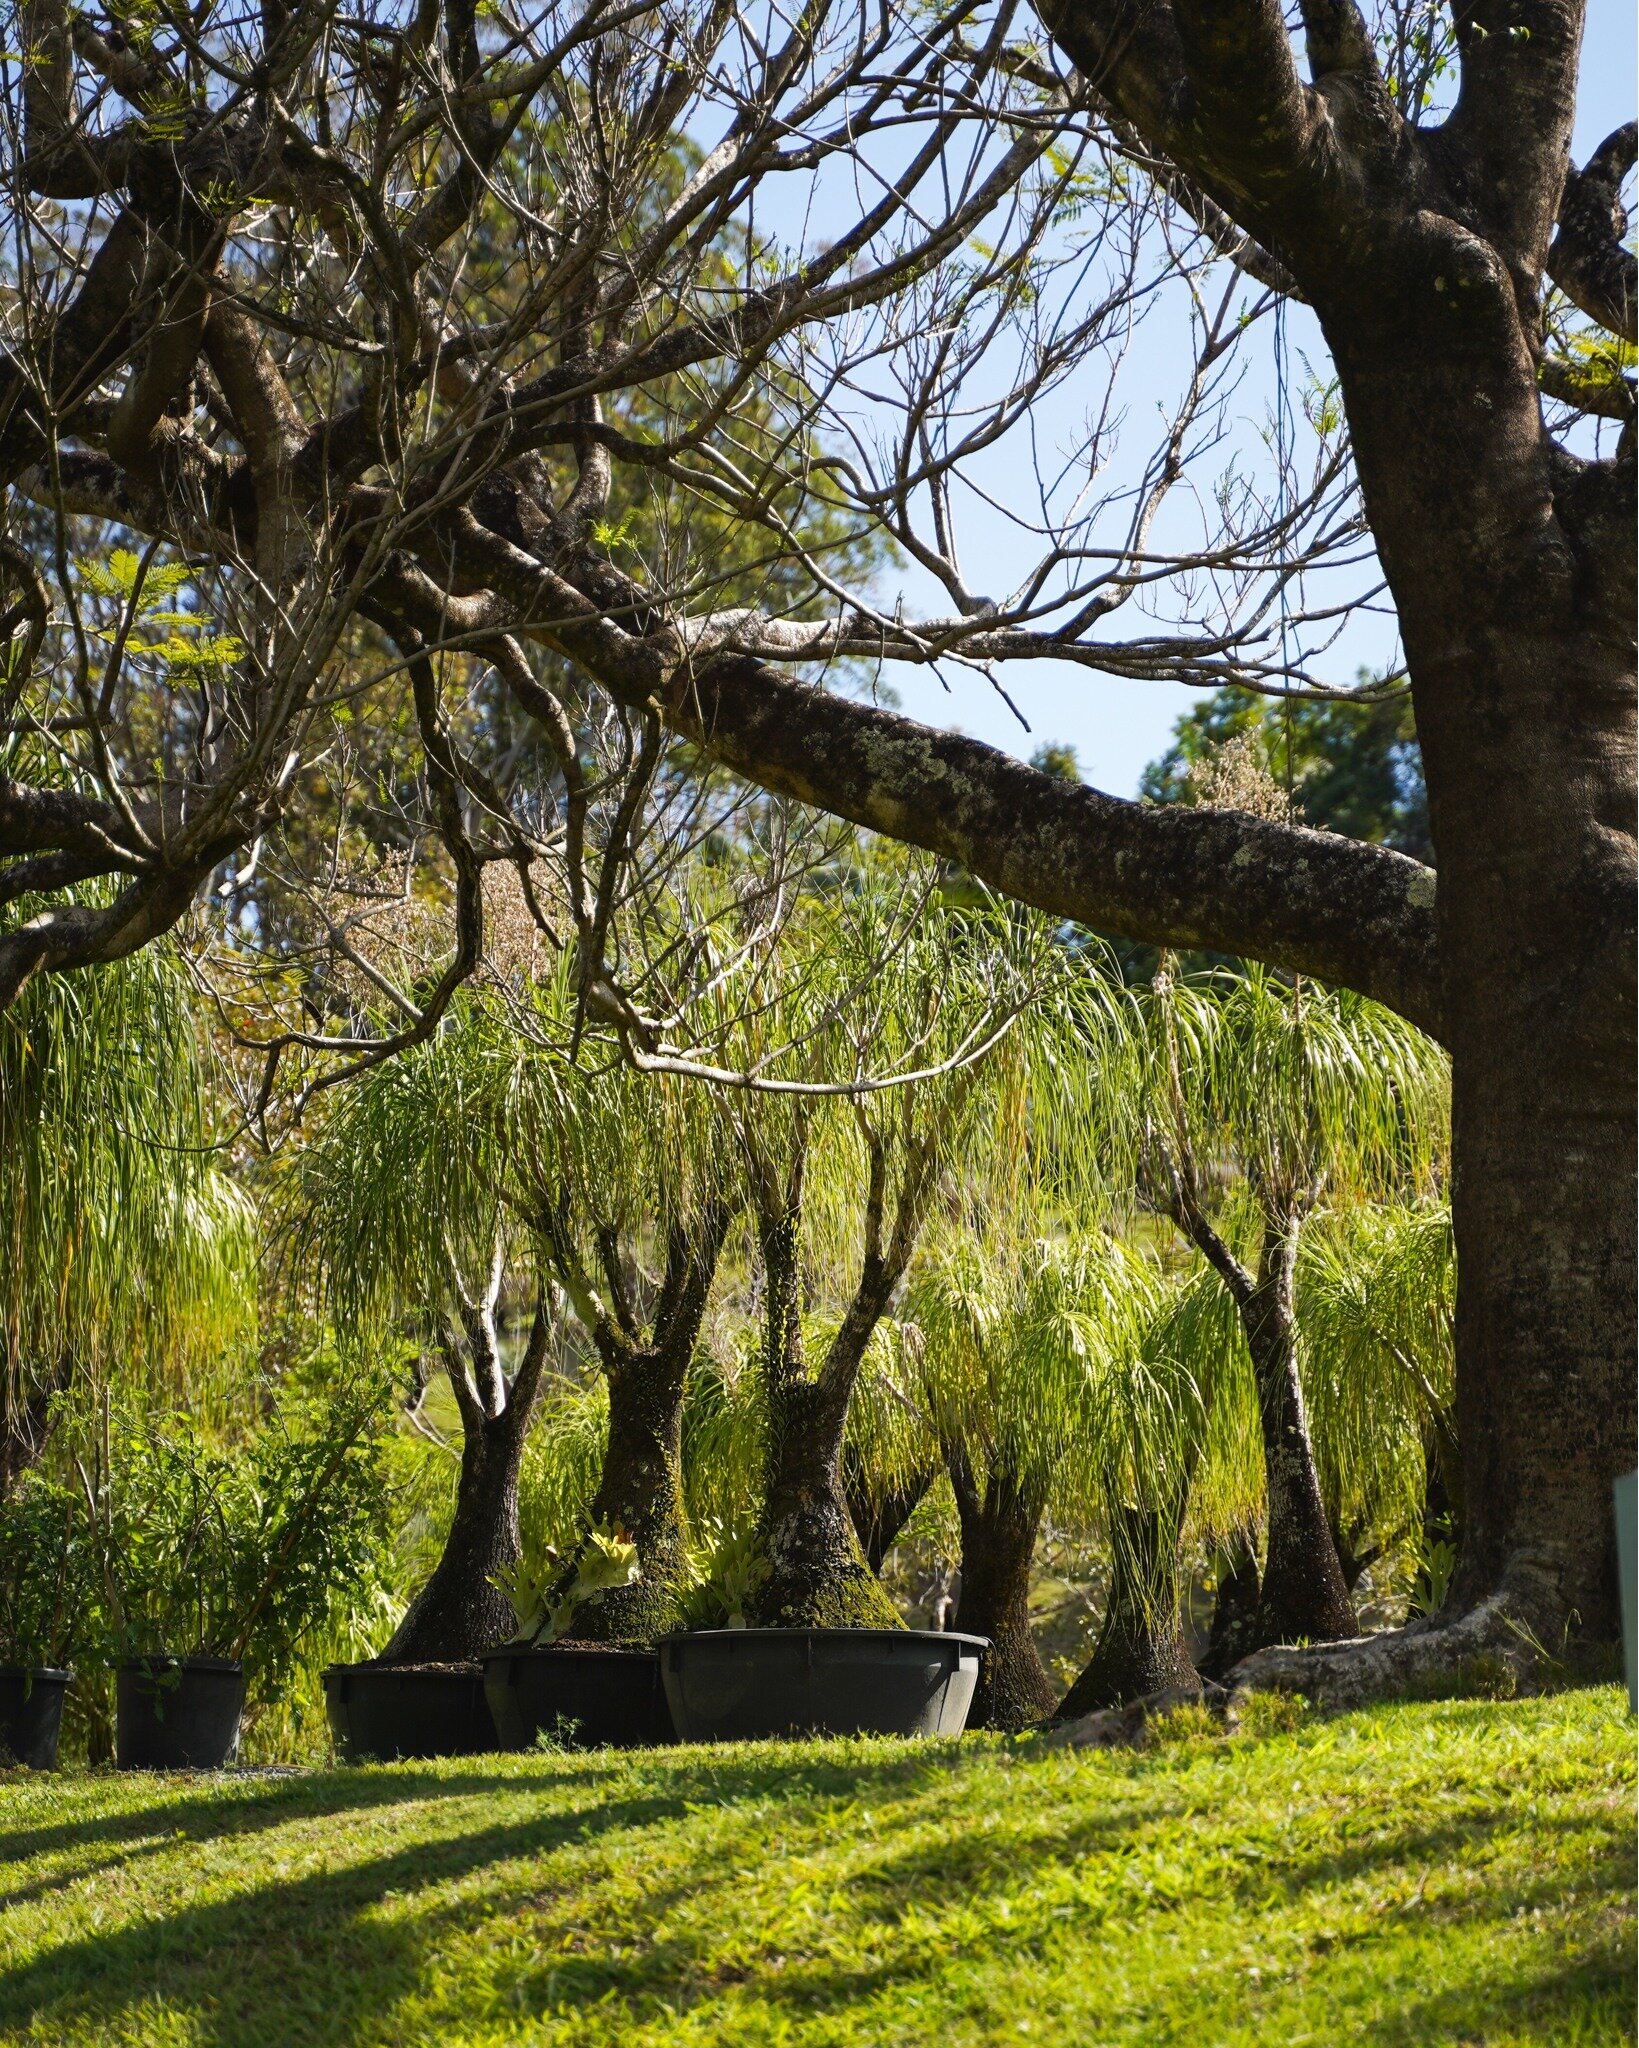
[
  {"x": 740, "y": 1684},
  {"x": 585, "y": 1697},
  {"x": 177, "y": 1713},
  {"x": 382, "y": 1711},
  {"x": 31, "y": 1714}
]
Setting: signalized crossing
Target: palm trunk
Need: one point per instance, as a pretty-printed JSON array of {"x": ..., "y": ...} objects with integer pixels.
[
  {"x": 1303, "y": 1597},
  {"x": 813, "y": 1572},
  {"x": 460, "y": 1613},
  {"x": 999, "y": 1528},
  {"x": 640, "y": 1489},
  {"x": 1140, "y": 1648},
  {"x": 641, "y": 1492}
]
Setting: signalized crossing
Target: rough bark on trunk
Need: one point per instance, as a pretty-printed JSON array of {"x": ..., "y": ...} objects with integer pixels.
[
  {"x": 1511, "y": 563},
  {"x": 815, "y": 1574},
  {"x": 1140, "y": 1648},
  {"x": 641, "y": 1491},
  {"x": 1518, "y": 630},
  {"x": 879, "y": 1517},
  {"x": 999, "y": 1526},
  {"x": 640, "y": 1488},
  {"x": 460, "y": 1613}
]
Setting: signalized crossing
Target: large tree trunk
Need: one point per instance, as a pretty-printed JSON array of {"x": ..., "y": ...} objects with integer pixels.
[
  {"x": 1512, "y": 568},
  {"x": 999, "y": 1528},
  {"x": 460, "y": 1613},
  {"x": 1140, "y": 1648}
]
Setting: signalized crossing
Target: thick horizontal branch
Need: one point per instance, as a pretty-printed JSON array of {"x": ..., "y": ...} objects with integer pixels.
[
  {"x": 1170, "y": 875},
  {"x": 1309, "y": 901}
]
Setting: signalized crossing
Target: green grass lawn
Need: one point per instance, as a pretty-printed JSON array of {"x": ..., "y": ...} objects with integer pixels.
[{"x": 1420, "y": 1874}]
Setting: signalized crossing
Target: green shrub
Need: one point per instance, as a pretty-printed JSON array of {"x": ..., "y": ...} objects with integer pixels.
[
  {"x": 50, "y": 1589},
  {"x": 246, "y": 1551}
]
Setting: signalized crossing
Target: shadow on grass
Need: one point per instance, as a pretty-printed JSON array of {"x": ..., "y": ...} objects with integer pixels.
[
  {"x": 304, "y": 1958},
  {"x": 310, "y": 1960},
  {"x": 206, "y": 1810},
  {"x": 1575, "y": 2005}
]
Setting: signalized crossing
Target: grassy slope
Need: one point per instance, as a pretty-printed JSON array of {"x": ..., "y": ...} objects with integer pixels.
[{"x": 1422, "y": 1874}]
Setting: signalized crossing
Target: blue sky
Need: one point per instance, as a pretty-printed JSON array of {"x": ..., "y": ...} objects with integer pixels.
[{"x": 1116, "y": 726}]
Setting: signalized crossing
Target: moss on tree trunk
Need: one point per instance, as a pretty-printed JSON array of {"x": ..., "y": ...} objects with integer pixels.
[{"x": 460, "y": 1613}]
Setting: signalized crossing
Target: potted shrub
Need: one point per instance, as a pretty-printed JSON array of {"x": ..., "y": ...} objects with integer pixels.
[
  {"x": 47, "y": 1611},
  {"x": 450, "y": 1188},
  {"x": 902, "y": 1049},
  {"x": 218, "y": 1561}
]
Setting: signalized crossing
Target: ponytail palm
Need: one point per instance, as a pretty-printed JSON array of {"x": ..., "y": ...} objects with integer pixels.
[
  {"x": 1376, "y": 1288},
  {"x": 625, "y": 1181},
  {"x": 1264, "y": 1097},
  {"x": 937, "y": 1003},
  {"x": 1066, "y": 1373},
  {"x": 401, "y": 1204},
  {"x": 124, "y": 1250}
]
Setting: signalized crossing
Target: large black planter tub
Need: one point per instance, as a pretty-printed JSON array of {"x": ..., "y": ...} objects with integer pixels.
[
  {"x": 584, "y": 1696},
  {"x": 177, "y": 1713},
  {"x": 379, "y": 1712},
  {"x": 31, "y": 1715},
  {"x": 740, "y": 1684}
]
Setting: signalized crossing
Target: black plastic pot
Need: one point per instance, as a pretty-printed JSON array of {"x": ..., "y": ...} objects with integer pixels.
[
  {"x": 740, "y": 1684},
  {"x": 585, "y": 1696},
  {"x": 31, "y": 1714},
  {"x": 177, "y": 1713},
  {"x": 382, "y": 1711}
]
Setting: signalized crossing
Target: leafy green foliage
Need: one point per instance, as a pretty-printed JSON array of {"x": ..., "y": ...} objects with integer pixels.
[
  {"x": 241, "y": 1551},
  {"x": 606, "y": 1558},
  {"x": 729, "y": 1567},
  {"x": 125, "y": 1252},
  {"x": 50, "y": 1588}
]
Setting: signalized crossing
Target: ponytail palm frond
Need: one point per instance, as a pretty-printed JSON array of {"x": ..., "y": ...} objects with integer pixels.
[
  {"x": 1298, "y": 1086},
  {"x": 125, "y": 1249},
  {"x": 1376, "y": 1291}
]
